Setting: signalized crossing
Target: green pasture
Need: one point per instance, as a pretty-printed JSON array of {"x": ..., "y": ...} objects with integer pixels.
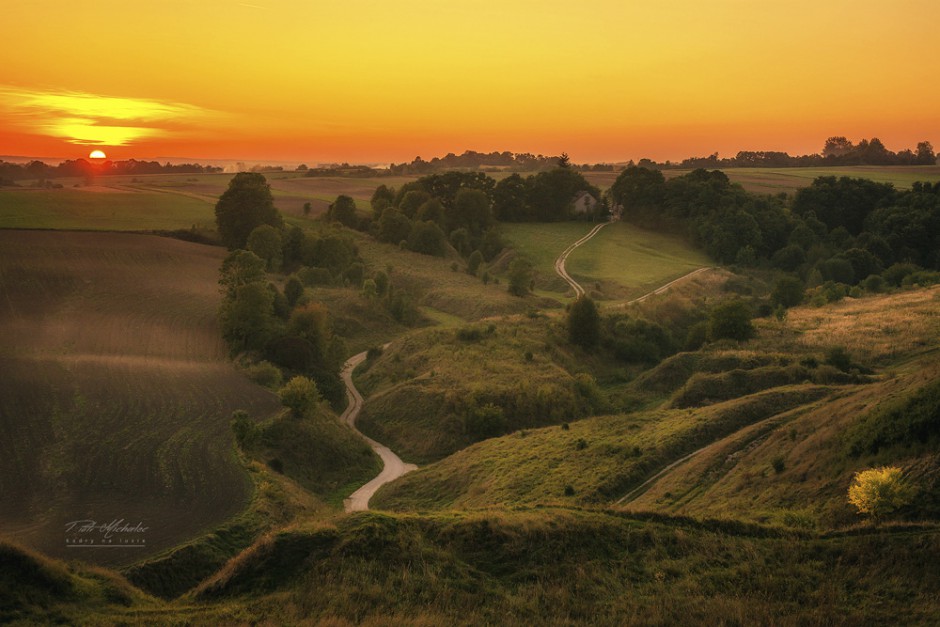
[
  {"x": 72, "y": 209},
  {"x": 634, "y": 259}
]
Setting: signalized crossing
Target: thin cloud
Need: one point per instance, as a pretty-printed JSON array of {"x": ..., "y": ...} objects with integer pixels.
[{"x": 93, "y": 119}]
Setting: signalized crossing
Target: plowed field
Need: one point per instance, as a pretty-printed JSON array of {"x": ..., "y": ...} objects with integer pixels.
[{"x": 115, "y": 393}]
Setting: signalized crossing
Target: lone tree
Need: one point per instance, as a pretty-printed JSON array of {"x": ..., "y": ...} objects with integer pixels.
[
  {"x": 244, "y": 206},
  {"x": 343, "y": 210},
  {"x": 879, "y": 491},
  {"x": 584, "y": 322}
]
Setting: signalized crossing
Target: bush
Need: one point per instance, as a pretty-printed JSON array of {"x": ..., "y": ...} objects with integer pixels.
[
  {"x": 485, "y": 422},
  {"x": 300, "y": 395},
  {"x": 584, "y": 323},
  {"x": 265, "y": 373},
  {"x": 731, "y": 320},
  {"x": 879, "y": 491}
]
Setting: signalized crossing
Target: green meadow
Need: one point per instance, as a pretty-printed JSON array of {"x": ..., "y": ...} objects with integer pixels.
[
  {"x": 108, "y": 210},
  {"x": 625, "y": 261}
]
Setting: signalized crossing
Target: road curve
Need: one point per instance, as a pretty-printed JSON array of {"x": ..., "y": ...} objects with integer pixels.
[
  {"x": 393, "y": 468},
  {"x": 560, "y": 262}
]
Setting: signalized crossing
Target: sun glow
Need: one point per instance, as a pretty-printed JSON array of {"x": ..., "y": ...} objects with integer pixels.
[{"x": 97, "y": 154}]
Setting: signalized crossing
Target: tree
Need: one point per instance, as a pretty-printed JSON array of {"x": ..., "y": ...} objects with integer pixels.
[
  {"x": 293, "y": 290},
  {"x": 265, "y": 241},
  {"x": 731, "y": 321},
  {"x": 382, "y": 198},
  {"x": 312, "y": 323},
  {"x": 474, "y": 262},
  {"x": 412, "y": 201},
  {"x": 300, "y": 395},
  {"x": 925, "y": 154},
  {"x": 471, "y": 210},
  {"x": 343, "y": 210},
  {"x": 245, "y": 205},
  {"x": 394, "y": 226},
  {"x": 879, "y": 491},
  {"x": 520, "y": 276},
  {"x": 241, "y": 267},
  {"x": 584, "y": 322},
  {"x": 837, "y": 147},
  {"x": 427, "y": 238},
  {"x": 788, "y": 292},
  {"x": 248, "y": 317}
]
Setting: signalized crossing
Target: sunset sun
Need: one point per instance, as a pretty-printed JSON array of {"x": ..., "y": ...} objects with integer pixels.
[{"x": 97, "y": 154}]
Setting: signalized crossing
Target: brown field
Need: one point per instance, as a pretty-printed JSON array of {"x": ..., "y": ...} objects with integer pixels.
[{"x": 116, "y": 392}]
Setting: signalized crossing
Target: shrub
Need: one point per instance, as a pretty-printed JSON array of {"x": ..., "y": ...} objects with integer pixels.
[
  {"x": 837, "y": 356},
  {"x": 265, "y": 373},
  {"x": 300, "y": 395},
  {"x": 584, "y": 323},
  {"x": 788, "y": 292},
  {"x": 879, "y": 491},
  {"x": 731, "y": 320}
]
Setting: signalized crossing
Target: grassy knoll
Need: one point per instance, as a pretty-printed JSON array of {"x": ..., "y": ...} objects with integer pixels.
[
  {"x": 427, "y": 394},
  {"x": 623, "y": 260},
  {"x": 102, "y": 209},
  {"x": 553, "y": 566},
  {"x": 117, "y": 391}
]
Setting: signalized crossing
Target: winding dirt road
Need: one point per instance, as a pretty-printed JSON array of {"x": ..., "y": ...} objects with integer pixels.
[
  {"x": 579, "y": 291},
  {"x": 394, "y": 467},
  {"x": 560, "y": 262}
]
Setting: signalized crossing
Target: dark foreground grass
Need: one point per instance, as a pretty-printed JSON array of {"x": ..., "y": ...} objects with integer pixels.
[
  {"x": 570, "y": 567},
  {"x": 548, "y": 566}
]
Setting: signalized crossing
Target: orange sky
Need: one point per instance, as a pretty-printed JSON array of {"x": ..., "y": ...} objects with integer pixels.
[{"x": 367, "y": 80}]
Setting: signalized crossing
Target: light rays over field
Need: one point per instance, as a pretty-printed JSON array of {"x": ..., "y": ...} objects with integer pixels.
[{"x": 362, "y": 80}]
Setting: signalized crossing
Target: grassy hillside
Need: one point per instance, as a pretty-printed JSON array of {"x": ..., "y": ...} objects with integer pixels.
[
  {"x": 564, "y": 566},
  {"x": 767, "y": 427},
  {"x": 117, "y": 391},
  {"x": 592, "y": 461},
  {"x": 439, "y": 390}
]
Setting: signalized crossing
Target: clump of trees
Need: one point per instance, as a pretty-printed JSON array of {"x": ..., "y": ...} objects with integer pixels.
[
  {"x": 285, "y": 328},
  {"x": 832, "y": 236}
]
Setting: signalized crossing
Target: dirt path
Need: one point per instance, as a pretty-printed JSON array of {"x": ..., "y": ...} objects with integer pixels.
[
  {"x": 560, "y": 262},
  {"x": 394, "y": 467},
  {"x": 660, "y": 290}
]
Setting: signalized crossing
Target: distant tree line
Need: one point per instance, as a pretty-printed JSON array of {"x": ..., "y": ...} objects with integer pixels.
[
  {"x": 837, "y": 151},
  {"x": 83, "y": 168}
]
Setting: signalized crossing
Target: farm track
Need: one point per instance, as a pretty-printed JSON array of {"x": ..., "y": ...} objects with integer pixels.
[
  {"x": 393, "y": 466},
  {"x": 560, "y": 262}
]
